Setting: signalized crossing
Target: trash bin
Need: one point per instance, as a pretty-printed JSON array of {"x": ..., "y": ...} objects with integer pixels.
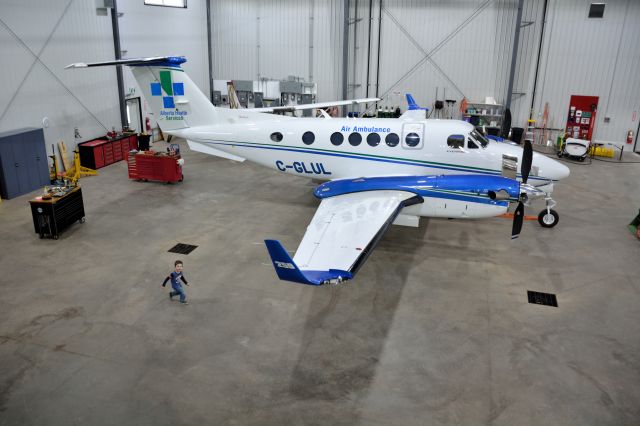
[
  {"x": 493, "y": 131},
  {"x": 516, "y": 134},
  {"x": 143, "y": 142}
]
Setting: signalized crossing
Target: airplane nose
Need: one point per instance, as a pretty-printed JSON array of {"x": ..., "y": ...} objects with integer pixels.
[
  {"x": 563, "y": 172},
  {"x": 554, "y": 169}
]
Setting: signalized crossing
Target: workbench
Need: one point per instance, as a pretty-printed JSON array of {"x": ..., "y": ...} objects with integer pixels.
[{"x": 52, "y": 216}]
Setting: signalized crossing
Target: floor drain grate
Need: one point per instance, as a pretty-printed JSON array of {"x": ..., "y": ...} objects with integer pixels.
[
  {"x": 538, "y": 298},
  {"x": 182, "y": 248}
]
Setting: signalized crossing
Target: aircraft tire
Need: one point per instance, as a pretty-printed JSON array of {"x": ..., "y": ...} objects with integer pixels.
[{"x": 548, "y": 220}]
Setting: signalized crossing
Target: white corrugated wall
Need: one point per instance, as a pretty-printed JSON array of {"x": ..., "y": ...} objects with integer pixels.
[
  {"x": 460, "y": 47},
  {"x": 158, "y": 31},
  {"x": 253, "y": 39},
  {"x": 528, "y": 49},
  {"x": 595, "y": 57},
  {"x": 59, "y": 32}
]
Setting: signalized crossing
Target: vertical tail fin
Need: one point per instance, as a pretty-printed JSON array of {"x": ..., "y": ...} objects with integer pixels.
[
  {"x": 411, "y": 103},
  {"x": 173, "y": 97}
]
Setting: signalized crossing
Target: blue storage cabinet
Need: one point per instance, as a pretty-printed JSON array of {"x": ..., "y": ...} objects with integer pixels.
[{"x": 23, "y": 162}]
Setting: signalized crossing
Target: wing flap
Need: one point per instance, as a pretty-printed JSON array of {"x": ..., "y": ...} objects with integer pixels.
[
  {"x": 340, "y": 237},
  {"x": 344, "y": 227}
]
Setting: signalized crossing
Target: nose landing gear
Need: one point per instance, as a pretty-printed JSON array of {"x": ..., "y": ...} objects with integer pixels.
[{"x": 548, "y": 218}]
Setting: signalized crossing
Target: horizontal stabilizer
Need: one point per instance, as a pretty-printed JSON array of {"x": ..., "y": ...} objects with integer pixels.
[
  {"x": 287, "y": 270},
  {"x": 156, "y": 61}
]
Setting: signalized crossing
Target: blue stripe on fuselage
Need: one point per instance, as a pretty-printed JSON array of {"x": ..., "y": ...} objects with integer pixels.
[{"x": 383, "y": 160}]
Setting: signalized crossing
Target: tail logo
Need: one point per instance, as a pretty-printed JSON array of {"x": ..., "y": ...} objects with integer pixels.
[{"x": 168, "y": 87}]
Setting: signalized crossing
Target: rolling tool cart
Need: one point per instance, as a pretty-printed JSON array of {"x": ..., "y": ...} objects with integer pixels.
[
  {"x": 150, "y": 165},
  {"x": 56, "y": 210}
]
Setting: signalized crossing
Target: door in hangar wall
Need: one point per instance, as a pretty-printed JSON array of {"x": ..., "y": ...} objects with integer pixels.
[{"x": 134, "y": 114}]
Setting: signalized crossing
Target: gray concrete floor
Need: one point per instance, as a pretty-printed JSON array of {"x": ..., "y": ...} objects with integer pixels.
[{"x": 435, "y": 329}]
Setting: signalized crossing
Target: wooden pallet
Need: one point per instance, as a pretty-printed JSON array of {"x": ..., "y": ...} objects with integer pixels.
[{"x": 64, "y": 156}]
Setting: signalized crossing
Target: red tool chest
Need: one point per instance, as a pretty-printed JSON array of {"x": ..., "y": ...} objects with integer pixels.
[
  {"x": 92, "y": 153},
  {"x": 103, "y": 151},
  {"x": 157, "y": 167}
]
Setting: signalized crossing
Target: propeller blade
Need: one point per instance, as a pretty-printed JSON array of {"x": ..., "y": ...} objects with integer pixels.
[
  {"x": 527, "y": 159},
  {"x": 518, "y": 219}
]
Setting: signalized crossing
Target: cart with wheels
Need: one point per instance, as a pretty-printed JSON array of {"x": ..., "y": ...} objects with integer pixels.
[
  {"x": 51, "y": 216},
  {"x": 151, "y": 166}
]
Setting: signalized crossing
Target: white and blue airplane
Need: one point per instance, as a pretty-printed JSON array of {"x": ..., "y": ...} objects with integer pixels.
[{"x": 378, "y": 171}]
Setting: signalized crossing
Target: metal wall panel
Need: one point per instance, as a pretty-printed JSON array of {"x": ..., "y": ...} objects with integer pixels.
[
  {"x": 59, "y": 32},
  {"x": 469, "y": 43},
  {"x": 157, "y": 31},
  {"x": 623, "y": 102},
  {"x": 528, "y": 49},
  {"x": 596, "y": 57},
  {"x": 252, "y": 39}
]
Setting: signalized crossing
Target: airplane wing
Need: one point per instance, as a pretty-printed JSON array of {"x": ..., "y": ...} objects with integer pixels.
[
  {"x": 292, "y": 108},
  {"x": 340, "y": 237}
]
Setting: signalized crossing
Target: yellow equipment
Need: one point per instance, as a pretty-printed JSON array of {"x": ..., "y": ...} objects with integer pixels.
[
  {"x": 54, "y": 172},
  {"x": 77, "y": 171}
]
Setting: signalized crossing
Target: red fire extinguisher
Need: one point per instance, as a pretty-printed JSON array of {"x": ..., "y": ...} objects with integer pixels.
[
  {"x": 147, "y": 124},
  {"x": 630, "y": 136}
]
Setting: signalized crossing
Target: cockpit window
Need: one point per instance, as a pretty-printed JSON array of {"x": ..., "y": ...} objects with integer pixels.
[
  {"x": 478, "y": 137},
  {"x": 471, "y": 144},
  {"x": 455, "y": 141}
]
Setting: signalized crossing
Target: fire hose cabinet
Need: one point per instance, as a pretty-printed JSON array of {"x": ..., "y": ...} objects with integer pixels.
[
  {"x": 155, "y": 167},
  {"x": 581, "y": 118}
]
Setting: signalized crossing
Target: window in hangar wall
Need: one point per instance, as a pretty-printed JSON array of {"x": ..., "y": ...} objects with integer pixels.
[{"x": 167, "y": 3}]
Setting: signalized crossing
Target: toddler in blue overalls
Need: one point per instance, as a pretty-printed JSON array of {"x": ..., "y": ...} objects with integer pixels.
[{"x": 175, "y": 284}]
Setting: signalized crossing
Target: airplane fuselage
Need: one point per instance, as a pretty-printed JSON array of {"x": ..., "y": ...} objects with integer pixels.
[
  {"x": 365, "y": 147},
  {"x": 342, "y": 148}
]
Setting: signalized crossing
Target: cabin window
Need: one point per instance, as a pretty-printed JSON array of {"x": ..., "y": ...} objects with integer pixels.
[
  {"x": 337, "y": 138},
  {"x": 392, "y": 139},
  {"x": 276, "y": 137},
  {"x": 373, "y": 139},
  {"x": 456, "y": 141},
  {"x": 308, "y": 138},
  {"x": 412, "y": 139},
  {"x": 355, "y": 139}
]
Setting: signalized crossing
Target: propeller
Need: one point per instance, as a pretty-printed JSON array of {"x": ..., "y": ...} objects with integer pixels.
[{"x": 525, "y": 169}]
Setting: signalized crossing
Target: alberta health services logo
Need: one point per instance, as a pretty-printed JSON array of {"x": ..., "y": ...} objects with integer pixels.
[{"x": 170, "y": 90}]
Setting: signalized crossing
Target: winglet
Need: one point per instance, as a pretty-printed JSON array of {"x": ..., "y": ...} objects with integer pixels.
[
  {"x": 412, "y": 103},
  {"x": 287, "y": 270}
]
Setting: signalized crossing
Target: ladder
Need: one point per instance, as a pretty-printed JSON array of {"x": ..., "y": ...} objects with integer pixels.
[{"x": 531, "y": 128}]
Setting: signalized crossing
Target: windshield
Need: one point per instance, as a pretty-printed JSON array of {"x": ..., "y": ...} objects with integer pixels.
[{"x": 475, "y": 135}]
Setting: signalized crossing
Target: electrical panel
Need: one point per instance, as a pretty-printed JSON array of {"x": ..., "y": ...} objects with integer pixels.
[
  {"x": 257, "y": 100},
  {"x": 217, "y": 97},
  {"x": 243, "y": 85}
]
